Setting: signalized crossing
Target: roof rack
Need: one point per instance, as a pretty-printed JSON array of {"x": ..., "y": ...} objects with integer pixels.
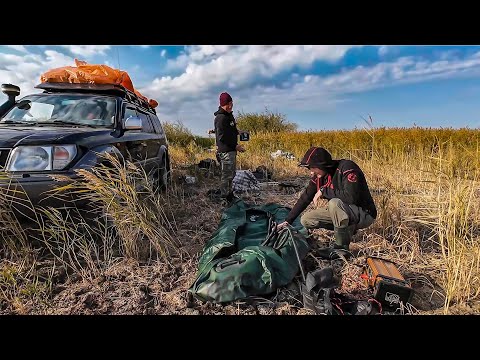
[{"x": 104, "y": 88}]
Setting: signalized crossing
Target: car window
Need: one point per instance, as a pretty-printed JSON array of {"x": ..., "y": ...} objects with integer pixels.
[
  {"x": 37, "y": 111},
  {"x": 156, "y": 124},
  {"x": 129, "y": 111},
  {"x": 146, "y": 124},
  {"x": 73, "y": 108}
]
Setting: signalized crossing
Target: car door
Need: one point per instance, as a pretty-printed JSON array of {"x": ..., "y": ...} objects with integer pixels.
[
  {"x": 161, "y": 139},
  {"x": 136, "y": 146},
  {"x": 151, "y": 138},
  {"x": 159, "y": 129}
]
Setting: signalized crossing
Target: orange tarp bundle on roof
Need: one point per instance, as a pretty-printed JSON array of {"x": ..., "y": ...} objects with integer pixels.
[{"x": 92, "y": 74}]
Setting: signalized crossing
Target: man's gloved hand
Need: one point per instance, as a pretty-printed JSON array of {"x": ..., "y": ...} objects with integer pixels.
[
  {"x": 282, "y": 225},
  {"x": 240, "y": 148}
]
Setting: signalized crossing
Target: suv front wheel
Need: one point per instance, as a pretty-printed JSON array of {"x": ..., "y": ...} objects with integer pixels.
[
  {"x": 160, "y": 177},
  {"x": 164, "y": 174}
]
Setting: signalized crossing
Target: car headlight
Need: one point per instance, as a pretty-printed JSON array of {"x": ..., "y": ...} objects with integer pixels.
[{"x": 41, "y": 158}]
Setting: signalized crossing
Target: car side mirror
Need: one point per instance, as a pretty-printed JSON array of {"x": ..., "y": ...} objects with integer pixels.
[
  {"x": 24, "y": 104},
  {"x": 133, "y": 123}
]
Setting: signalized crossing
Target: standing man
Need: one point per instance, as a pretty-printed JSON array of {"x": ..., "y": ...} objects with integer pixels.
[
  {"x": 350, "y": 204},
  {"x": 226, "y": 134}
]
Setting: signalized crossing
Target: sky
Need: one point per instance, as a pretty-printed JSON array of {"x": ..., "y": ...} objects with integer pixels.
[{"x": 316, "y": 86}]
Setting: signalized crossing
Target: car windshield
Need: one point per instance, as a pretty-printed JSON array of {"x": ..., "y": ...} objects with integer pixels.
[{"x": 88, "y": 110}]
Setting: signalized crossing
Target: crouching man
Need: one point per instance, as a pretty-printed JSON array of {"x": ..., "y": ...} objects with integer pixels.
[{"x": 350, "y": 204}]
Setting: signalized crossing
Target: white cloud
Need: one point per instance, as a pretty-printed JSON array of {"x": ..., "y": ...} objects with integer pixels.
[
  {"x": 192, "y": 96},
  {"x": 20, "y": 48},
  {"x": 87, "y": 50},
  {"x": 163, "y": 53},
  {"x": 211, "y": 66},
  {"x": 383, "y": 50},
  {"x": 199, "y": 53},
  {"x": 55, "y": 59},
  {"x": 247, "y": 60},
  {"x": 25, "y": 70},
  {"x": 315, "y": 91},
  {"x": 248, "y": 73},
  {"x": 179, "y": 63},
  {"x": 8, "y": 59}
]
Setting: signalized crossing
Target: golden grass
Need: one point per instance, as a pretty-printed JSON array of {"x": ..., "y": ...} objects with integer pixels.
[
  {"x": 425, "y": 186},
  {"x": 424, "y": 182},
  {"x": 129, "y": 201}
]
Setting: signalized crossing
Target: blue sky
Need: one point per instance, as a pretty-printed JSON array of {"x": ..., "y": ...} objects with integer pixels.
[{"x": 317, "y": 86}]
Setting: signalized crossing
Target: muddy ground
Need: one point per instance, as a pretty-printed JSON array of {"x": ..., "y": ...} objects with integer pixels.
[{"x": 129, "y": 287}]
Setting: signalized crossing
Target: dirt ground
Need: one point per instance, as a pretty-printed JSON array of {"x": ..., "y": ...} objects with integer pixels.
[{"x": 128, "y": 287}]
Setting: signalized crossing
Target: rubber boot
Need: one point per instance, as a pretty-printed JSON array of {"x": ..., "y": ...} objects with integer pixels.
[
  {"x": 343, "y": 236},
  {"x": 231, "y": 198},
  {"x": 214, "y": 194}
]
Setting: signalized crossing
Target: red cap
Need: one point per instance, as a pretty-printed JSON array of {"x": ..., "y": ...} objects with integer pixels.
[{"x": 225, "y": 98}]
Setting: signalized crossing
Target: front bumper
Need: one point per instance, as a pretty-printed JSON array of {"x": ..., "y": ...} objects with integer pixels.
[{"x": 23, "y": 194}]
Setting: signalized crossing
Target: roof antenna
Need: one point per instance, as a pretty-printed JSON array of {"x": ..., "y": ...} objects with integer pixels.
[{"x": 118, "y": 57}]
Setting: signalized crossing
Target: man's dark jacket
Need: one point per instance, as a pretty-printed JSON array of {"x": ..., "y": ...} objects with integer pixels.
[
  {"x": 226, "y": 132},
  {"x": 345, "y": 181}
]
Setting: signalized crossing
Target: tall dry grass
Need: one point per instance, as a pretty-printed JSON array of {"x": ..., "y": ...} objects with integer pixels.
[
  {"x": 21, "y": 282},
  {"x": 449, "y": 206},
  {"x": 81, "y": 247},
  {"x": 424, "y": 182},
  {"x": 130, "y": 202},
  {"x": 12, "y": 235},
  {"x": 425, "y": 185},
  {"x": 119, "y": 213}
]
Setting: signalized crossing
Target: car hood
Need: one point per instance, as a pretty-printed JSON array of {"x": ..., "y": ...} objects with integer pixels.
[{"x": 11, "y": 136}]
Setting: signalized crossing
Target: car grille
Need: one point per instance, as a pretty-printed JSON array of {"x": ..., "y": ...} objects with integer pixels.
[{"x": 3, "y": 157}]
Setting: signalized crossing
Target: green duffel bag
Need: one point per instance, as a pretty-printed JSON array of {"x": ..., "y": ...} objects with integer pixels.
[{"x": 246, "y": 256}]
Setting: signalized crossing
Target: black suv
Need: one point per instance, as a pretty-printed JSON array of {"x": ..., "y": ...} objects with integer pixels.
[{"x": 65, "y": 127}]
